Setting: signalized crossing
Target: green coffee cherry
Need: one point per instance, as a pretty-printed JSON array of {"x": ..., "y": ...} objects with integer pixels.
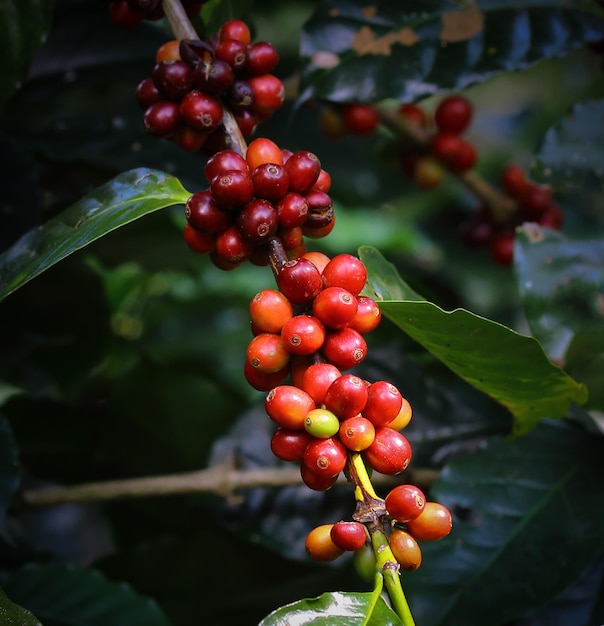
[{"x": 321, "y": 423}]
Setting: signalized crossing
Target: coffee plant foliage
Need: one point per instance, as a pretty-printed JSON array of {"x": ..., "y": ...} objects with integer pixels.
[{"x": 122, "y": 350}]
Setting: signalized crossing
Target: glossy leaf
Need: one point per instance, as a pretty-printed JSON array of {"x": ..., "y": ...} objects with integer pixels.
[
  {"x": 127, "y": 197},
  {"x": 12, "y": 614},
  {"x": 527, "y": 522},
  {"x": 562, "y": 285},
  {"x": 9, "y": 466},
  {"x": 24, "y": 25},
  {"x": 345, "y": 609},
  {"x": 77, "y": 597},
  {"x": 355, "y": 51},
  {"x": 510, "y": 367}
]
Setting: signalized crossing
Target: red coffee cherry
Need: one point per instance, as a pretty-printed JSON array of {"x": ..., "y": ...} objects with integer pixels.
[
  {"x": 223, "y": 161},
  {"x": 257, "y": 221},
  {"x": 536, "y": 199},
  {"x": 552, "y": 217},
  {"x": 405, "y": 502},
  {"x": 367, "y": 317},
  {"x": 513, "y": 180},
  {"x": 349, "y": 536},
  {"x": 204, "y": 214},
  {"x": 262, "y": 381},
  {"x": 303, "y": 168},
  {"x": 213, "y": 78},
  {"x": 335, "y": 307},
  {"x": 246, "y": 121},
  {"x": 235, "y": 29},
  {"x": 271, "y": 181},
  {"x": 433, "y": 523},
  {"x": 269, "y": 93},
  {"x": 390, "y": 452},
  {"x": 413, "y": 113},
  {"x": 261, "y": 151},
  {"x": 291, "y": 238},
  {"x": 360, "y": 119},
  {"x": 262, "y": 58},
  {"x": 346, "y": 396},
  {"x": 320, "y": 546},
  {"x": 299, "y": 280},
  {"x": 232, "y": 189},
  {"x": 405, "y": 549},
  {"x": 288, "y": 406},
  {"x": 321, "y": 423},
  {"x": 230, "y": 245},
  {"x": 326, "y": 457},
  {"x": 199, "y": 241},
  {"x": 323, "y": 182},
  {"x": 316, "y": 482},
  {"x": 147, "y": 93},
  {"x": 292, "y": 210},
  {"x": 122, "y": 14},
  {"x": 501, "y": 247},
  {"x": 384, "y": 401},
  {"x": 403, "y": 418},
  {"x": 270, "y": 310},
  {"x": 266, "y": 353},
  {"x": 189, "y": 139},
  {"x": 303, "y": 334},
  {"x": 201, "y": 111},
  {"x": 289, "y": 445},
  {"x": 453, "y": 114},
  {"x": 317, "y": 378},
  {"x": 172, "y": 78},
  {"x": 357, "y": 433},
  {"x": 346, "y": 271},
  {"x": 233, "y": 52},
  {"x": 162, "y": 118},
  {"x": 344, "y": 348}
]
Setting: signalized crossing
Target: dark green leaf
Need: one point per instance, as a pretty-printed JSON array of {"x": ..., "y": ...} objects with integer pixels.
[
  {"x": 24, "y": 25},
  {"x": 510, "y": 367},
  {"x": 77, "y": 597},
  {"x": 9, "y": 466},
  {"x": 124, "y": 199},
  {"x": 562, "y": 285},
  {"x": 527, "y": 523},
  {"x": 344, "y": 609},
  {"x": 358, "y": 52},
  {"x": 13, "y": 615}
]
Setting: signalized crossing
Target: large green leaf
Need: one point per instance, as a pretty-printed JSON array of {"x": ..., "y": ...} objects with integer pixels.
[
  {"x": 527, "y": 523},
  {"x": 12, "y": 614},
  {"x": 72, "y": 596},
  {"x": 127, "y": 197},
  {"x": 562, "y": 285},
  {"x": 9, "y": 466},
  {"x": 510, "y": 367},
  {"x": 345, "y": 609},
  {"x": 24, "y": 25},
  {"x": 359, "y": 51}
]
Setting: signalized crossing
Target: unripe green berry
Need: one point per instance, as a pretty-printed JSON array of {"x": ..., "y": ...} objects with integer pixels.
[{"x": 321, "y": 423}]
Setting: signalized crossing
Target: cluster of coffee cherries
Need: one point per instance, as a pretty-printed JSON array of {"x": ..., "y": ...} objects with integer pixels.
[
  {"x": 130, "y": 13},
  {"x": 533, "y": 203},
  {"x": 193, "y": 80},
  {"x": 269, "y": 193},
  {"x": 410, "y": 519}
]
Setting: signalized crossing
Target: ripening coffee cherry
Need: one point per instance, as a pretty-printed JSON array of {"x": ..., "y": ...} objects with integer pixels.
[
  {"x": 289, "y": 445},
  {"x": 263, "y": 150},
  {"x": 299, "y": 281},
  {"x": 303, "y": 334},
  {"x": 367, "y": 317},
  {"x": 357, "y": 433},
  {"x": 270, "y": 310},
  {"x": 320, "y": 546},
  {"x": 405, "y": 502},
  {"x": 326, "y": 457},
  {"x": 403, "y": 418},
  {"x": 453, "y": 114},
  {"x": 365, "y": 563},
  {"x": 168, "y": 51},
  {"x": 350, "y": 536},
  {"x": 360, "y": 119},
  {"x": 433, "y": 523},
  {"x": 288, "y": 406},
  {"x": 318, "y": 259},
  {"x": 405, "y": 549},
  {"x": 346, "y": 271},
  {"x": 427, "y": 172},
  {"x": 344, "y": 348},
  {"x": 336, "y": 307},
  {"x": 317, "y": 378},
  {"x": 390, "y": 453},
  {"x": 321, "y": 423},
  {"x": 384, "y": 401},
  {"x": 346, "y": 396},
  {"x": 266, "y": 353}
]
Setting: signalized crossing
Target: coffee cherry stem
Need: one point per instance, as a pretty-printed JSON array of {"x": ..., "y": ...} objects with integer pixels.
[
  {"x": 500, "y": 205},
  {"x": 179, "y": 22}
]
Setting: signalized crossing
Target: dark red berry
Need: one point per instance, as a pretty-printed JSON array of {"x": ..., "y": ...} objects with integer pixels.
[
  {"x": 222, "y": 161},
  {"x": 344, "y": 348},
  {"x": 360, "y": 119},
  {"x": 292, "y": 210},
  {"x": 405, "y": 502},
  {"x": 147, "y": 93},
  {"x": 214, "y": 77},
  {"x": 349, "y": 536},
  {"x": 232, "y": 189},
  {"x": 162, "y": 118},
  {"x": 172, "y": 78},
  {"x": 258, "y": 220},
  {"x": 299, "y": 280},
  {"x": 303, "y": 168},
  {"x": 269, "y": 93},
  {"x": 346, "y": 271},
  {"x": 233, "y": 52},
  {"x": 262, "y": 57},
  {"x": 201, "y": 111},
  {"x": 453, "y": 114},
  {"x": 271, "y": 181},
  {"x": 204, "y": 214}
]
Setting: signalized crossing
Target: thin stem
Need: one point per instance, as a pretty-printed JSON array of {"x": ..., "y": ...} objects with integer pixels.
[{"x": 179, "y": 21}]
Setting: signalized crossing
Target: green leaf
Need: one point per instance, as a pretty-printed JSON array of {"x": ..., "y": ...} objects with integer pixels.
[
  {"x": 73, "y": 596},
  {"x": 527, "y": 523},
  {"x": 510, "y": 367},
  {"x": 9, "y": 466},
  {"x": 24, "y": 25},
  {"x": 345, "y": 609},
  {"x": 127, "y": 197},
  {"x": 355, "y": 51},
  {"x": 562, "y": 285},
  {"x": 12, "y": 614}
]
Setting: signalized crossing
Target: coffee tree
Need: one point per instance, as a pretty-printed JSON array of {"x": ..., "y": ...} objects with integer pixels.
[{"x": 302, "y": 313}]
